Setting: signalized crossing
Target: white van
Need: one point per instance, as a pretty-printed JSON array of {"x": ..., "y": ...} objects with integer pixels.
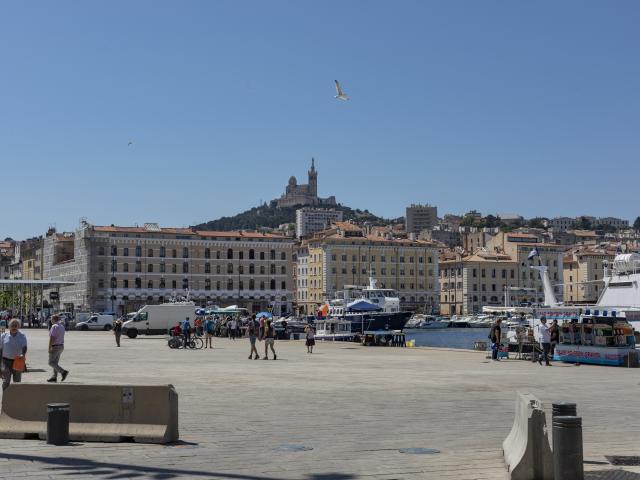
[
  {"x": 157, "y": 319},
  {"x": 96, "y": 322}
]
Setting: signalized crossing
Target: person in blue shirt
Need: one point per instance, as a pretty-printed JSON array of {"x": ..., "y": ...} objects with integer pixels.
[
  {"x": 186, "y": 332},
  {"x": 13, "y": 344},
  {"x": 208, "y": 328}
]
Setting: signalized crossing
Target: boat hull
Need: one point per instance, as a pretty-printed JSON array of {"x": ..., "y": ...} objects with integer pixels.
[
  {"x": 378, "y": 321},
  {"x": 614, "y": 356}
]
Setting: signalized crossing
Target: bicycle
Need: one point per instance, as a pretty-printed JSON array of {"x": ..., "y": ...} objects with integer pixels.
[{"x": 195, "y": 342}]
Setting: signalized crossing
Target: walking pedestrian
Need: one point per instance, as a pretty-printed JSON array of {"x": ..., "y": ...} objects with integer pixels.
[
  {"x": 253, "y": 329},
  {"x": 544, "y": 337},
  {"x": 56, "y": 347},
  {"x": 554, "y": 330},
  {"x": 186, "y": 332},
  {"x": 117, "y": 331},
  {"x": 231, "y": 327},
  {"x": 269, "y": 340},
  {"x": 13, "y": 345},
  {"x": 495, "y": 335},
  {"x": 310, "y": 331},
  {"x": 208, "y": 328}
]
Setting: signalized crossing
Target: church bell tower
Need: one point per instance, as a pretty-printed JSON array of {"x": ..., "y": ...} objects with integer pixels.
[{"x": 313, "y": 179}]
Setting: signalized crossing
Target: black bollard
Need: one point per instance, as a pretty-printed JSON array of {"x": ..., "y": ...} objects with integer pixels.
[
  {"x": 58, "y": 423},
  {"x": 567, "y": 448},
  {"x": 564, "y": 409}
]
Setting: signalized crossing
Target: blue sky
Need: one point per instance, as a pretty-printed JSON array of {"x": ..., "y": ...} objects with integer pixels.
[{"x": 526, "y": 107}]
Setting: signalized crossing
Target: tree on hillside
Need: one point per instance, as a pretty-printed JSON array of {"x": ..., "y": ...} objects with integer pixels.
[
  {"x": 537, "y": 222},
  {"x": 583, "y": 223},
  {"x": 491, "y": 221},
  {"x": 636, "y": 224}
]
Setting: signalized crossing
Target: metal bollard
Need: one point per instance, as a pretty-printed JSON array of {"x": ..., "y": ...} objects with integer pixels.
[
  {"x": 58, "y": 423},
  {"x": 564, "y": 409},
  {"x": 567, "y": 448}
]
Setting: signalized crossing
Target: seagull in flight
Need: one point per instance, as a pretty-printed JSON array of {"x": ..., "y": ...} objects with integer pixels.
[
  {"x": 130, "y": 143},
  {"x": 340, "y": 94}
]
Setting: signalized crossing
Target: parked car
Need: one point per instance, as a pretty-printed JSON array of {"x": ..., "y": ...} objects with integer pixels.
[{"x": 96, "y": 322}]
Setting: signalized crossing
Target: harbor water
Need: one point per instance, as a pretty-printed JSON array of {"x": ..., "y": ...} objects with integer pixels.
[{"x": 462, "y": 338}]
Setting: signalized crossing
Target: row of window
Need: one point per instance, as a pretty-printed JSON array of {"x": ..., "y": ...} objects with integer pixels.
[
  {"x": 383, "y": 271},
  {"x": 162, "y": 252},
  {"x": 161, "y": 284},
  {"x": 185, "y": 268},
  {"x": 383, "y": 258},
  {"x": 483, "y": 273}
]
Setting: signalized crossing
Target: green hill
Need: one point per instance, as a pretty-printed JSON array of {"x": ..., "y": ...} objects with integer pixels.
[{"x": 270, "y": 216}]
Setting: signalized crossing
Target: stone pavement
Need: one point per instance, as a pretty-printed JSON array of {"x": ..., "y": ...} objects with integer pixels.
[{"x": 352, "y": 407}]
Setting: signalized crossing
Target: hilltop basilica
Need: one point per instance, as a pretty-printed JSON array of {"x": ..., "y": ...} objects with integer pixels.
[{"x": 295, "y": 194}]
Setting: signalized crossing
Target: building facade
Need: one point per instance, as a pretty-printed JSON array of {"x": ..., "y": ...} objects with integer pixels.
[
  {"x": 519, "y": 246},
  {"x": 305, "y": 194},
  {"x": 561, "y": 224},
  {"x": 311, "y": 220},
  {"x": 32, "y": 259},
  {"x": 120, "y": 269},
  {"x": 468, "y": 283},
  {"x": 583, "y": 274},
  {"x": 617, "y": 223},
  {"x": 420, "y": 217},
  {"x": 346, "y": 255}
]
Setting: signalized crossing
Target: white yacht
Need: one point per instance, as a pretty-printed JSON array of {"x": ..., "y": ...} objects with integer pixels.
[{"x": 369, "y": 308}]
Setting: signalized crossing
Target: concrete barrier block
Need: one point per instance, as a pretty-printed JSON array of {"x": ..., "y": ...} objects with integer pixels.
[
  {"x": 99, "y": 413},
  {"x": 526, "y": 449}
]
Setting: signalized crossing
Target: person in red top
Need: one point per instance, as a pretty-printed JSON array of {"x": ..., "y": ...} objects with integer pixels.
[{"x": 176, "y": 331}]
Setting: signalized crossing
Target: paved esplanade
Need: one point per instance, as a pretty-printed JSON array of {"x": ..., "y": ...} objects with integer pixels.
[{"x": 354, "y": 406}]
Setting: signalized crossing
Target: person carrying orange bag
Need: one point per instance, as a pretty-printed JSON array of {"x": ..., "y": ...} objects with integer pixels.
[{"x": 13, "y": 348}]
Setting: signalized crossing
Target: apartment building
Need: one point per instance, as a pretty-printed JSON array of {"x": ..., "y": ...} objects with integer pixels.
[
  {"x": 467, "y": 283},
  {"x": 618, "y": 223},
  {"x": 32, "y": 259},
  {"x": 561, "y": 224},
  {"x": 519, "y": 247},
  {"x": 311, "y": 220},
  {"x": 420, "y": 217},
  {"x": 122, "y": 268},
  {"x": 346, "y": 255},
  {"x": 583, "y": 274}
]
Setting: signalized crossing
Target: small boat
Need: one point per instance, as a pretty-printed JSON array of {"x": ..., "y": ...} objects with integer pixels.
[
  {"x": 459, "y": 322},
  {"x": 434, "y": 322},
  {"x": 333, "y": 329}
]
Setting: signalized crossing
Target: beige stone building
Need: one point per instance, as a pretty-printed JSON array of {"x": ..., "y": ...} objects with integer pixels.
[
  {"x": 583, "y": 274},
  {"x": 519, "y": 246},
  {"x": 420, "y": 217},
  {"x": 346, "y": 255},
  {"x": 122, "y": 268},
  {"x": 32, "y": 259},
  {"x": 467, "y": 283}
]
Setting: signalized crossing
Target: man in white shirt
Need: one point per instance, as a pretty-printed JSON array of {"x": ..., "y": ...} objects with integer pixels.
[
  {"x": 544, "y": 337},
  {"x": 13, "y": 344}
]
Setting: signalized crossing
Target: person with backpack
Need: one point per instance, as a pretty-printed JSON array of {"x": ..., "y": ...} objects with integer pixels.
[
  {"x": 253, "y": 329},
  {"x": 495, "y": 335}
]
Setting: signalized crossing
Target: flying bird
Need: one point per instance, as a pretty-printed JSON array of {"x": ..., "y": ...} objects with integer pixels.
[
  {"x": 340, "y": 94},
  {"x": 130, "y": 143}
]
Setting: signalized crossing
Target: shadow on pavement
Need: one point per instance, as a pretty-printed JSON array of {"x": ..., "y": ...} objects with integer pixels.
[{"x": 84, "y": 468}]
